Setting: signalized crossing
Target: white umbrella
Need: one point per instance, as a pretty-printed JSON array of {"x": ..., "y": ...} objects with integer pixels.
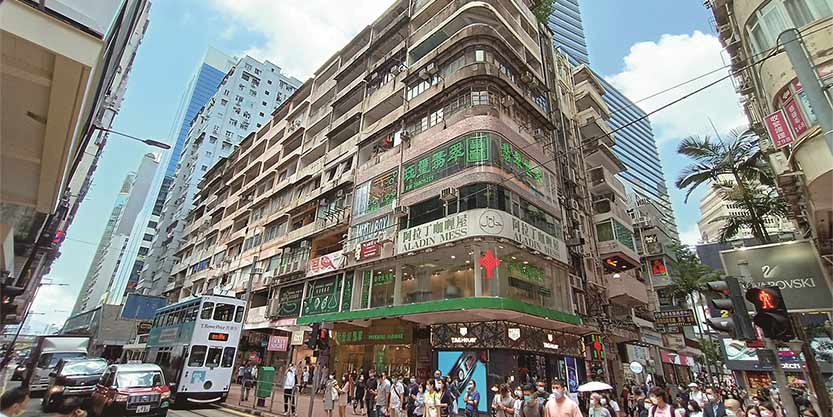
[{"x": 594, "y": 386}]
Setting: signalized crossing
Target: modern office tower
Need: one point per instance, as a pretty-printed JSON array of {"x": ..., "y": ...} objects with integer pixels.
[
  {"x": 118, "y": 236},
  {"x": 802, "y": 160},
  {"x": 65, "y": 71},
  {"x": 635, "y": 145},
  {"x": 245, "y": 99},
  {"x": 713, "y": 207},
  {"x": 423, "y": 192}
]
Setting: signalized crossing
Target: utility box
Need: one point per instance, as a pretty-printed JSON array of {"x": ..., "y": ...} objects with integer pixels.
[{"x": 265, "y": 381}]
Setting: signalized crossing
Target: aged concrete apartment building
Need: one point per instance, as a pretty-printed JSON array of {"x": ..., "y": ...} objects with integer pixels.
[{"x": 429, "y": 192}]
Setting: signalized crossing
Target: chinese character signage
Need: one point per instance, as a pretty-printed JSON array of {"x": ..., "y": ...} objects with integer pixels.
[
  {"x": 370, "y": 249},
  {"x": 323, "y": 296},
  {"x": 382, "y": 191},
  {"x": 778, "y": 129},
  {"x": 480, "y": 222},
  {"x": 290, "y": 300},
  {"x": 330, "y": 262},
  {"x": 278, "y": 343},
  {"x": 681, "y": 317},
  {"x": 794, "y": 116},
  {"x": 475, "y": 149}
]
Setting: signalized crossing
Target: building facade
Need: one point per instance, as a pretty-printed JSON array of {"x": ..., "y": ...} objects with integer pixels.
[
  {"x": 102, "y": 283},
  {"x": 72, "y": 65},
  {"x": 244, "y": 100},
  {"x": 749, "y": 31},
  {"x": 425, "y": 197}
]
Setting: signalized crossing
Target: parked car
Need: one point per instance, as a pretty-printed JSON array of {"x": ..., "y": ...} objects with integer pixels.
[
  {"x": 75, "y": 377},
  {"x": 131, "y": 389}
]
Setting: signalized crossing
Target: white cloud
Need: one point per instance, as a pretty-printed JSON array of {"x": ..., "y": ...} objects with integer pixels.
[
  {"x": 52, "y": 306},
  {"x": 300, "y": 35},
  {"x": 654, "y": 66},
  {"x": 690, "y": 236}
]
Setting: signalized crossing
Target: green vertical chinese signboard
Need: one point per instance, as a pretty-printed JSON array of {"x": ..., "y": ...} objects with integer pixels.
[
  {"x": 290, "y": 300},
  {"x": 474, "y": 149},
  {"x": 323, "y": 296},
  {"x": 347, "y": 298}
]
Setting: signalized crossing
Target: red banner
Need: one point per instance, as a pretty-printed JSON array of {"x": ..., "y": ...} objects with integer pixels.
[
  {"x": 369, "y": 249},
  {"x": 779, "y": 131},
  {"x": 795, "y": 117}
]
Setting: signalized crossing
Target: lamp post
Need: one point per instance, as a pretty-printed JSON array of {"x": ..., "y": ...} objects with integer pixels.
[{"x": 149, "y": 142}]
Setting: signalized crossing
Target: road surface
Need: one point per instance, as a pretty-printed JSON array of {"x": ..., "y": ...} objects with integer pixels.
[{"x": 33, "y": 410}]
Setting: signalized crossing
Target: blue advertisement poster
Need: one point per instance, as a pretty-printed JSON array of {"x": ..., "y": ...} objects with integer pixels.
[
  {"x": 466, "y": 366},
  {"x": 572, "y": 374}
]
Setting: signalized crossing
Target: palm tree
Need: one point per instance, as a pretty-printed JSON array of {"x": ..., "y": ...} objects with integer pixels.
[
  {"x": 738, "y": 156},
  {"x": 765, "y": 203}
]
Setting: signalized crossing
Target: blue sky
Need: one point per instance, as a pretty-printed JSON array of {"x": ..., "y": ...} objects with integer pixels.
[{"x": 641, "y": 46}]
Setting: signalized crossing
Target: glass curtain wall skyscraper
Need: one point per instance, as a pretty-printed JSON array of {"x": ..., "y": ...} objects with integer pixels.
[{"x": 635, "y": 145}]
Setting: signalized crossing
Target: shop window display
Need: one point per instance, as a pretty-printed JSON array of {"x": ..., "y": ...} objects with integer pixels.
[{"x": 439, "y": 276}]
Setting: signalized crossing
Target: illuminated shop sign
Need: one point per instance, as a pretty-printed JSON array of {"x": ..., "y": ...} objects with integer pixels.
[
  {"x": 480, "y": 222},
  {"x": 323, "y": 296},
  {"x": 504, "y": 335},
  {"x": 472, "y": 150}
]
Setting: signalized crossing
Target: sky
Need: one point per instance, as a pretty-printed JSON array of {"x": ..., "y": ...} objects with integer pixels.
[{"x": 640, "y": 47}]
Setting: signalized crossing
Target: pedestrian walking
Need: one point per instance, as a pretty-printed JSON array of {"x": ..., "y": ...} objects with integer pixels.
[
  {"x": 447, "y": 400},
  {"x": 397, "y": 397},
  {"x": 370, "y": 393},
  {"x": 289, "y": 391},
  {"x": 344, "y": 395},
  {"x": 305, "y": 377},
  {"x": 597, "y": 409},
  {"x": 659, "y": 403},
  {"x": 383, "y": 388},
  {"x": 503, "y": 403},
  {"x": 696, "y": 395},
  {"x": 358, "y": 396},
  {"x": 767, "y": 409},
  {"x": 330, "y": 394},
  {"x": 531, "y": 407},
  {"x": 432, "y": 401},
  {"x": 558, "y": 405},
  {"x": 240, "y": 374},
  {"x": 247, "y": 381},
  {"x": 733, "y": 408},
  {"x": 519, "y": 401},
  {"x": 419, "y": 401},
  {"x": 13, "y": 402},
  {"x": 680, "y": 408},
  {"x": 452, "y": 388},
  {"x": 714, "y": 405},
  {"x": 472, "y": 399},
  {"x": 413, "y": 393}
]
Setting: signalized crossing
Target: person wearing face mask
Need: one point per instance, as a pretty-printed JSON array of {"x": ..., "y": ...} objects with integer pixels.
[
  {"x": 659, "y": 403},
  {"x": 767, "y": 409},
  {"x": 696, "y": 395},
  {"x": 419, "y": 401},
  {"x": 753, "y": 411},
  {"x": 503, "y": 402},
  {"x": 680, "y": 408},
  {"x": 452, "y": 388},
  {"x": 330, "y": 394},
  {"x": 610, "y": 404},
  {"x": 733, "y": 408},
  {"x": 531, "y": 407},
  {"x": 597, "y": 409},
  {"x": 447, "y": 400},
  {"x": 358, "y": 396},
  {"x": 397, "y": 398},
  {"x": 541, "y": 393},
  {"x": 694, "y": 409},
  {"x": 519, "y": 401},
  {"x": 383, "y": 388},
  {"x": 370, "y": 393},
  {"x": 643, "y": 407},
  {"x": 431, "y": 400},
  {"x": 345, "y": 388},
  {"x": 714, "y": 407},
  {"x": 13, "y": 402},
  {"x": 472, "y": 399},
  {"x": 411, "y": 395},
  {"x": 558, "y": 405}
]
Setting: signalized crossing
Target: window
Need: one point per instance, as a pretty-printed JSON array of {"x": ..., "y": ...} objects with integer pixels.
[
  {"x": 140, "y": 379},
  {"x": 207, "y": 308},
  {"x": 229, "y": 134},
  {"x": 223, "y": 102},
  {"x": 480, "y": 55},
  {"x": 228, "y": 357},
  {"x": 267, "y": 92},
  {"x": 232, "y": 122},
  {"x": 223, "y": 312},
  {"x": 253, "y": 93},
  {"x": 212, "y": 139},
  {"x": 214, "y": 355},
  {"x": 225, "y": 92},
  {"x": 238, "y": 315},
  {"x": 263, "y": 103},
  {"x": 147, "y": 236},
  {"x": 197, "y": 358},
  {"x": 779, "y": 15},
  {"x": 269, "y": 82},
  {"x": 257, "y": 71}
]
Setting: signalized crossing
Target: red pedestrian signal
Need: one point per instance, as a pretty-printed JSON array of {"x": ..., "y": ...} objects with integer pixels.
[{"x": 771, "y": 312}]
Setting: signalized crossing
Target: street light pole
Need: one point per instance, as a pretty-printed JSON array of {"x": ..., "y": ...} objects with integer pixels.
[{"x": 149, "y": 142}]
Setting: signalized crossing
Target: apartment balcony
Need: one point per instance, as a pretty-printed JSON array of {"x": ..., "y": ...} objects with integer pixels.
[
  {"x": 310, "y": 170},
  {"x": 602, "y": 182},
  {"x": 337, "y": 152},
  {"x": 617, "y": 254},
  {"x": 594, "y": 127},
  {"x": 588, "y": 96},
  {"x": 299, "y": 233},
  {"x": 295, "y": 265},
  {"x": 605, "y": 208},
  {"x": 627, "y": 289},
  {"x": 314, "y": 143}
]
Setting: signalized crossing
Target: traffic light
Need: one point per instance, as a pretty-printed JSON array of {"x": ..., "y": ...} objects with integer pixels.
[
  {"x": 771, "y": 313},
  {"x": 733, "y": 317},
  {"x": 8, "y": 309},
  {"x": 312, "y": 343},
  {"x": 323, "y": 339}
]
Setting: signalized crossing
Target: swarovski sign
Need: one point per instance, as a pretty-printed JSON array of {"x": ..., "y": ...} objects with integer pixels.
[
  {"x": 480, "y": 222},
  {"x": 794, "y": 267}
]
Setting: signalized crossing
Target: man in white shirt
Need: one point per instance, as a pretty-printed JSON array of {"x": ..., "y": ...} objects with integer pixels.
[
  {"x": 397, "y": 396},
  {"x": 696, "y": 394},
  {"x": 13, "y": 402},
  {"x": 288, "y": 390}
]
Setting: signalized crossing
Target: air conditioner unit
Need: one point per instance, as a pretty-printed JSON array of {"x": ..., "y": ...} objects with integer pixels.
[
  {"x": 449, "y": 194},
  {"x": 401, "y": 211},
  {"x": 507, "y": 101}
]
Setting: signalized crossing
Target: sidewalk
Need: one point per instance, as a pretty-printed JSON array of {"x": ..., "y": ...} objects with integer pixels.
[{"x": 273, "y": 406}]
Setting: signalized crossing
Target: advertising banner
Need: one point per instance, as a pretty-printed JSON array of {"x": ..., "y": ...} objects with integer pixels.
[
  {"x": 323, "y": 296},
  {"x": 675, "y": 318},
  {"x": 468, "y": 365},
  {"x": 779, "y": 131},
  {"x": 330, "y": 262},
  {"x": 794, "y": 116},
  {"x": 278, "y": 343},
  {"x": 290, "y": 300},
  {"x": 791, "y": 266},
  {"x": 480, "y": 222}
]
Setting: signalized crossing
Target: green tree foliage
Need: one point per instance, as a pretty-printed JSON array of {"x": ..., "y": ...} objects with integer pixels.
[
  {"x": 711, "y": 350},
  {"x": 543, "y": 10},
  {"x": 764, "y": 202},
  {"x": 688, "y": 275}
]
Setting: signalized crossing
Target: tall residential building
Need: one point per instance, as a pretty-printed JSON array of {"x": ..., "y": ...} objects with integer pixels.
[
  {"x": 803, "y": 162},
  {"x": 109, "y": 258},
  {"x": 65, "y": 70},
  {"x": 713, "y": 206},
  {"x": 245, "y": 99},
  {"x": 635, "y": 144},
  {"x": 424, "y": 192}
]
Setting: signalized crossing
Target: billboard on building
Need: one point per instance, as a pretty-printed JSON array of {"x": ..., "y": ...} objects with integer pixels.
[
  {"x": 794, "y": 267},
  {"x": 468, "y": 365}
]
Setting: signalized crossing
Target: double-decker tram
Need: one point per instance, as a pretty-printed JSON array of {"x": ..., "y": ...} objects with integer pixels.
[{"x": 194, "y": 342}]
